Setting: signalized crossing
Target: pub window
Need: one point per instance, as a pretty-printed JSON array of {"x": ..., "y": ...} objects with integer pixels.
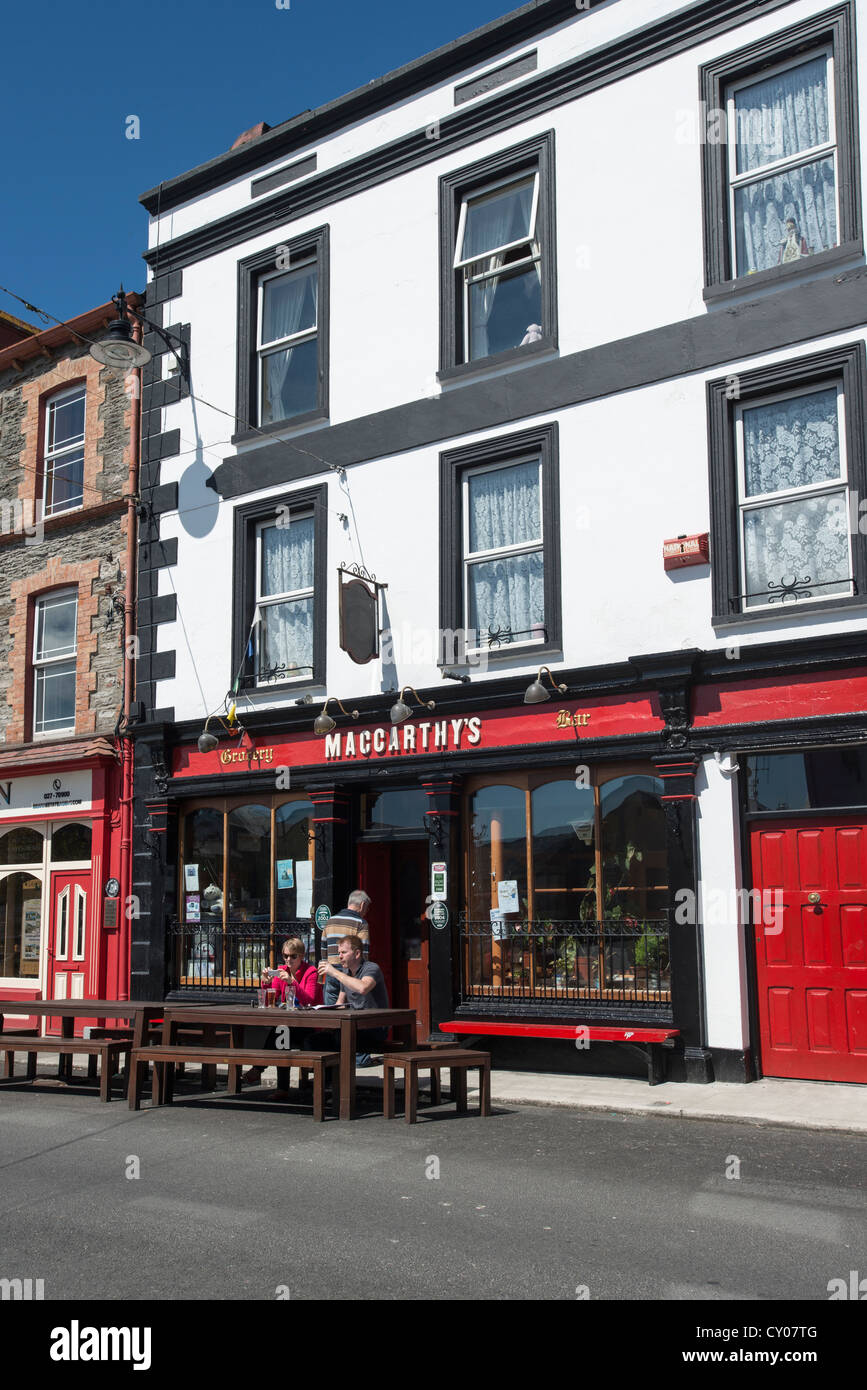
[
  {"x": 500, "y": 580},
  {"x": 21, "y": 846},
  {"x": 787, "y": 464},
  {"x": 498, "y": 272},
  {"x": 780, "y": 155},
  {"x": 283, "y": 335},
  {"x": 567, "y": 889},
  {"x": 71, "y": 843},
  {"x": 280, "y": 591},
  {"x": 247, "y": 883}
]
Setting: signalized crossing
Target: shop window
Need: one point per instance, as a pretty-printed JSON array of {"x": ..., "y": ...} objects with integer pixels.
[
  {"x": 54, "y": 651},
  {"x": 283, "y": 335},
  {"x": 500, "y": 580},
  {"x": 61, "y": 939},
  {"x": 780, "y": 152},
  {"x": 279, "y": 611},
  {"x": 71, "y": 843},
  {"x": 498, "y": 268},
  {"x": 21, "y": 846},
  {"x": 567, "y": 890},
  {"x": 788, "y": 471},
  {"x": 63, "y": 460},
  {"x": 817, "y": 779},
  {"x": 20, "y": 926},
  {"x": 247, "y": 884}
]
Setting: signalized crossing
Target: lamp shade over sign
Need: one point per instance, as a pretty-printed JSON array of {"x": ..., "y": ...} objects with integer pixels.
[{"x": 359, "y": 620}]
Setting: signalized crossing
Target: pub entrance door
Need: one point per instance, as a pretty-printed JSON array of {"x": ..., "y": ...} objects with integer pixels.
[
  {"x": 395, "y": 876},
  {"x": 812, "y": 964}
]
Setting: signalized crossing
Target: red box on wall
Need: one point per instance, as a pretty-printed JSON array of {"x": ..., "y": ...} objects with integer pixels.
[{"x": 686, "y": 550}]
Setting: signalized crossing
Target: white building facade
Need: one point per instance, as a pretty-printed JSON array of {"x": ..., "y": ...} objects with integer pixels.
[{"x": 544, "y": 351}]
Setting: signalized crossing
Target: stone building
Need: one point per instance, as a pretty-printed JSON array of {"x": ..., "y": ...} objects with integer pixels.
[{"x": 66, "y": 428}]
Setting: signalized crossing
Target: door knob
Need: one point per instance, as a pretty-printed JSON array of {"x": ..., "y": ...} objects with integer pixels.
[{"x": 814, "y": 898}]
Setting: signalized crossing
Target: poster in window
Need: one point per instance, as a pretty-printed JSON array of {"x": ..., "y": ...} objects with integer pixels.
[
  {"x": 304, "y": 884},
  {"x": 31, "y": 936},
  {"x": 191, "y": 878},
  {"x": 285, "y": 869},
  {"x": 507, "y": 895},
  {"x": 194, "y": 907}
]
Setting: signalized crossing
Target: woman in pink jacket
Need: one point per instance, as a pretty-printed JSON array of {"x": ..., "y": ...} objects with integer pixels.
[{"x": 295, "y": 977}]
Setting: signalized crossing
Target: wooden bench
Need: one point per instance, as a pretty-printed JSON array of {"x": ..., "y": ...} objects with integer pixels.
[
  {"x": 165, "y": 1058},
  {"x": 204, "y": 1032},
  {"x": 654, "y": 1040},
  {"x": 108, "y": 1050},
  {"x": 458, "y": 1060}
]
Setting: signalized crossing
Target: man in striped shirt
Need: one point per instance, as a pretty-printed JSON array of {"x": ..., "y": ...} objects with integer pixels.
[{"x": 350, "y": 922}]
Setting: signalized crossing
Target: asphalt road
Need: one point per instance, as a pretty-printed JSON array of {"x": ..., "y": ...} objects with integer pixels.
[{"x": 244, "y": 1200}]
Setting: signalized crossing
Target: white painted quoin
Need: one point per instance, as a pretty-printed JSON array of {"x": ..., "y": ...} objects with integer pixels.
[{"x": 647, "y": 337}]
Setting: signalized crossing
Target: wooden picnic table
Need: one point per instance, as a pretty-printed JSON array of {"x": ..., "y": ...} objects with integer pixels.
[
  {"x": 141, "y": 1011},
  {"x": 346, "y": 1021}
]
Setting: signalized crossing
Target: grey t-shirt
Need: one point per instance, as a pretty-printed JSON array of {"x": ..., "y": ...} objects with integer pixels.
[{"x": 377, "y": 998}]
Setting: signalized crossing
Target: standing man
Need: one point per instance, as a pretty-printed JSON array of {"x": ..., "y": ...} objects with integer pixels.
[
  {"x": 360, "y": 985},
  {"x": 353, "y": 921}
]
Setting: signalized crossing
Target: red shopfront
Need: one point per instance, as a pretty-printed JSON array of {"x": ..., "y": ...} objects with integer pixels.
[{"x": 60, "y": 916}]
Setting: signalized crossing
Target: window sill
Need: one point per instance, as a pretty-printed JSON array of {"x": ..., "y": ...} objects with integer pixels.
[
  {"x": 512, "y": 358},
  {"x": 779, "y": 275},
  {"x": 524, "y": 652},
  {"x": 296, "y": 424},
  {"x": 766, "y": 615}
]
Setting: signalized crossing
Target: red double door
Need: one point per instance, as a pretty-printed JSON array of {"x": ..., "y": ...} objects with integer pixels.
[{"x": 812, "y": 960}]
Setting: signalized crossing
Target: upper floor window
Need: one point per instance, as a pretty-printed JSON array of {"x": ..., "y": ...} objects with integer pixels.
[
  {"x": 287, "y": 349},
  {"x": 284, "y": 567},
  {"x": 780, "y": 161},
  {"x": 283, "y": 335},
  {"x": 501, "y": 557},
  {"x": 783, "y": 165},
  {"x": 787, "y": 472},
  {"x": 279, "y": 609},
  {"x": 63, "y": 461},
  {"x": 498, "y": 285},
  {"x": 54, "y": 651}
]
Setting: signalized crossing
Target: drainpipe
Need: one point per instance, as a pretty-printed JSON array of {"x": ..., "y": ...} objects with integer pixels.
[{"x": 126, "y": 809}]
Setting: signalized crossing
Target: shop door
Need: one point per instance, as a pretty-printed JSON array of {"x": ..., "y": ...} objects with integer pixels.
[
  {"x": 68, "y": 943},
  {"x": 812, "y": 973},
  {"x": 395, "y": 877}
]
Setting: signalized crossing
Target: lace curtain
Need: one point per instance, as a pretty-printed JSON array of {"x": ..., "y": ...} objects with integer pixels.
[
  {"x": 504, "y": 510},
  {"x": 776, "y": 119},
  {"x": 287, "y": 566},
  {"x": 792, "y": 444}
]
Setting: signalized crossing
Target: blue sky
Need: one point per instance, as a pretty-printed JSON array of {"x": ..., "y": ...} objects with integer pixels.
[{"x": 196, "y": 73}]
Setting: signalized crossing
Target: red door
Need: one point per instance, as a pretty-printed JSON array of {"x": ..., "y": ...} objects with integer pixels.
[
  {"x": 69, "y": 942},
  {"x": 812, "y": 962},
  {"x": 394, "y": 876}
]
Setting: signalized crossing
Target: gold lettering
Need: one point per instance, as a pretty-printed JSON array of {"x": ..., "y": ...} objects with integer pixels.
[
  {"x": 564, "y": 719},
  {"x": 225, "y": 757}
]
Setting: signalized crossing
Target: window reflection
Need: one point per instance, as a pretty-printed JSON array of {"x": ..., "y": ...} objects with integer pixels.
[
  {"x": 70, "y": 843},
  {"x": 250, "y": 863},
  {"x": 20, "y": 926},
  {"x": 21, "y": 846}
]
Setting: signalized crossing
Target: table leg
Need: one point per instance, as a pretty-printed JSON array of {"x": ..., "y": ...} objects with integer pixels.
[
  {"x": 64, "y": 1059},
  {"x": 411, "y": 1092},
  {"x": 485, "y": 1089},
  {"x": 459, "y": 1088},
  {"x": 209, "y": 1073},
  {"x": 388, "y": 1083},
  {"x": 347, "y": 1068}
]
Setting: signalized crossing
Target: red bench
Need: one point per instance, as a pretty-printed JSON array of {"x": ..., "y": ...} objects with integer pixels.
[{"x": 651, "y": 1039}]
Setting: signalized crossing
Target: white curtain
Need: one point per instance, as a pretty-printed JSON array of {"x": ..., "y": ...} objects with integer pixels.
[
  {"x": 776, "y": 119},
  {"x": 287, "y": 565},
  {"x": 791, "y": 443},
  {"x": 491, "y": 224},
  {"x": 504, "y": 510},
  {"x": 290, "y": 307}
]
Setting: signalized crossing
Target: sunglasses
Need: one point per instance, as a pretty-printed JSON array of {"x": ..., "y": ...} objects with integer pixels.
[{"x": 290, "y": 955}]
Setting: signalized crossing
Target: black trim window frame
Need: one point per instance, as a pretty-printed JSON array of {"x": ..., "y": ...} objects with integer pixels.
[
  {"x": 248, "y": 522},
  {"x": 532, "y": 159},
  {"x": 833, "y": 31},
  {"x": 844, "y": 368},
  {"x": 253, "y": 271},
  {"x": 456, "y": 465}
]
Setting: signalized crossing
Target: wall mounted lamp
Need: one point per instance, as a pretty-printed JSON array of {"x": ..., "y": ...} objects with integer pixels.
[
  {"x": 323, "y": 723},
  {"x": 536, "y": 693},
  {"x": 400, "y": 710},
  {"x": 119, "y": 350},
  {"x": 207, "y": 742}
]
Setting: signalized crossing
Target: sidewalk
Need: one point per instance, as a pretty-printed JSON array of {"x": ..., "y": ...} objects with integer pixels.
[{"x": 814, "y": 1105}]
